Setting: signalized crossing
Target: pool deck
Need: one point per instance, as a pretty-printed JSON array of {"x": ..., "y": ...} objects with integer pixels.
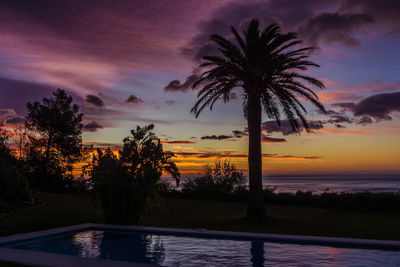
[{"x": 36, "y": 258}]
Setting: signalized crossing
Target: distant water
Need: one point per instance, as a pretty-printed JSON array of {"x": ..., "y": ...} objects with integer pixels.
[
  {"x": 334, "y": 182},
  {"x": 354, "y": 182}
]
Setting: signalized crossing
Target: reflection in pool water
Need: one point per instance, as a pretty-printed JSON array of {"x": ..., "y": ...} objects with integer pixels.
[{"x": 169, "y": 250}]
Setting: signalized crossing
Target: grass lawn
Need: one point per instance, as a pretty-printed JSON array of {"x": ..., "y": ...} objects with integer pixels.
[{"x": 63, "y": 210}]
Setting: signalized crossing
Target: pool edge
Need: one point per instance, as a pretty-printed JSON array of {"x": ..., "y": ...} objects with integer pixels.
[
  {"x": 39, "y": 258},
  {"x": 35, "y": 257}
]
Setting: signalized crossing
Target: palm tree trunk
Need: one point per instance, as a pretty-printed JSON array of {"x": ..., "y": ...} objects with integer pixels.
[{"x": 256, "y": 201}]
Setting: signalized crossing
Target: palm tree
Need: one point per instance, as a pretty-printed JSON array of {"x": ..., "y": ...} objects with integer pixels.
[{"x": 265, "y": 65}]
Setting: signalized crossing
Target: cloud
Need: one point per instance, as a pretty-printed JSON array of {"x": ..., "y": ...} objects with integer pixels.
[
  {"x": 365, "y": 120},
  {"x": 285, "y": 128},
  {"x": 319, "y": 23},
  {"x": 100, "y": 30},
  {"x": 203, "y": 155},
  {"x": 134, "y": 100},
  {"x": 169, "y": 102},
  {"x": 237, "y": 14},
  {"x": 276, "y": 156},
  {"x": 267, "y": 139},
  {"x": 335, "y": 117},
  {"x": 216, "y": 137},
  {"x": 92, "y": 127},
  {"x": 385, "y": 13},
  {"x": 15, "y": 93},
  {"x": 94, "y": 101},
  {"x": 346, "y": 106},
  {"x": 239, "y": 134},
  {"x": 177, "y": 86},
  {"x": 378, "y": 106},
  {"x": 15, "y": 121},
  {"x": 183, "y": 142},
  {"x": 236, "y": 134},
  {"x": 334, "y": 27},
  {"x": 7, "y": 113}
]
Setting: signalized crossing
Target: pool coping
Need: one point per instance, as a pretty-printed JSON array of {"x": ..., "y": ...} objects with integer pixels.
[{"x": 37, "y": 258}]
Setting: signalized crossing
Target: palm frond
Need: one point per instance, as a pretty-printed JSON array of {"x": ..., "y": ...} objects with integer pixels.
[{"x": 266, "y": 64}]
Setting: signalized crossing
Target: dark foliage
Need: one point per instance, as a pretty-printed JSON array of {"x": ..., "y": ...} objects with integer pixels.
[
  {"x": 117, "y": 192},
  {"x": 57, "y": 140},
  {"x": 224, "y": 180},
  {"x": 129, "y": 185},
  {"x": 360, "y": 201},
  {"x": 14, "y": 188}
]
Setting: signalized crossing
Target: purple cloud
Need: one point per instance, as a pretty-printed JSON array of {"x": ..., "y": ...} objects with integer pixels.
[
  {"x": 178, "y": 142},
  {"x": 15, "y": 121},
  {"x": 216, "y": 137},
  {"x": 94, "y": 101},
  {"x": 334, "y": 27},
  {"x": 92, "y": 127},
  {"x": 177, "y": 86},
  {"x": 378, "y": 106},
  {"x": 285, "y": 127},
  {"x": 133, "y": 100},
  {"x": 268, "y": 139}
]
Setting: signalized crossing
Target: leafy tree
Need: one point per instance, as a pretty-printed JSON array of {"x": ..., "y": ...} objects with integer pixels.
[
  {"x": 130, "y": 184},
  {"x": 143, "y": 152},
  {"x": 58, "y": 124},
  {"x": 265, "y": 65}
]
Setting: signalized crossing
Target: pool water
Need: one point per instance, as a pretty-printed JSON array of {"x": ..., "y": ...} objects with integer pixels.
[{"x": 178, "y": 250}]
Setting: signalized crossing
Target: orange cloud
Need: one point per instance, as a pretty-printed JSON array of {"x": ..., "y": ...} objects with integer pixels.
[{"x": 344, "y": 131}]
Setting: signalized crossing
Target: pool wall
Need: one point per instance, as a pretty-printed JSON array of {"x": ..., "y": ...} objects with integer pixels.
[{"x": 49, "y": 259}]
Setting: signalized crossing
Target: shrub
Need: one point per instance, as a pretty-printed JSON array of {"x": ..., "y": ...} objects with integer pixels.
[
  {"x": 222, "y": 181},
  {"x": 129, "y": 185}
]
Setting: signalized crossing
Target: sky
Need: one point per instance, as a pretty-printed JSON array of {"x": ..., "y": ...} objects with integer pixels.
[{"x": 129, "y": 63}]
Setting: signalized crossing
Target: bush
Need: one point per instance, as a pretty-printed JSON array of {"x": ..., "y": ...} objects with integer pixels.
[
  {"x": 118, "y": 193},
  {"x": 224, "y": 181},
  {"x": 129, "y": 185}
]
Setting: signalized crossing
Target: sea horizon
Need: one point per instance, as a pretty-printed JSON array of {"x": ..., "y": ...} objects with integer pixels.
[{"x": 326, "y": 182}]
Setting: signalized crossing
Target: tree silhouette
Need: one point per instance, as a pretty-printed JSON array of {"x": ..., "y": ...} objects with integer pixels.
[
  {"x": 129, "y": 184},
  {"x": 265, "y": 65},
  {"x": 144, "y": 152},
  {"x": 59, "y": 126}
]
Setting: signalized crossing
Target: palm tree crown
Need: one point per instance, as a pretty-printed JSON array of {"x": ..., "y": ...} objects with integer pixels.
[{"x": 264, "y": 65}]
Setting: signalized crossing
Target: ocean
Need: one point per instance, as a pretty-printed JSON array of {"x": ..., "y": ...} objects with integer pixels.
[
  {"x": 350, "y": 182},
  {"x": 354, "y": 182}
]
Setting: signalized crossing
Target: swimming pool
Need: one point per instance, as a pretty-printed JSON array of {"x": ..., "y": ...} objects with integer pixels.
[{"x": 200, "y": 248}]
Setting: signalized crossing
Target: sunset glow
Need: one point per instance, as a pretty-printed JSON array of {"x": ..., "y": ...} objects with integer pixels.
[{"x": 133, "y": 63}]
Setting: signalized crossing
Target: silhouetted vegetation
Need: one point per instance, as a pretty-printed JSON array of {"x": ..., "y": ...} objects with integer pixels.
[
  {"x": 362, "y": 201},
  {"x": 223, "y": 180},
  {"x": 265, "y": 65},
  {"x": 14, "y": 188},
  {"x": 359, "y": 201},
  {"x": 129, "y": 185},
  {"x": 55, "y": 141}
]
